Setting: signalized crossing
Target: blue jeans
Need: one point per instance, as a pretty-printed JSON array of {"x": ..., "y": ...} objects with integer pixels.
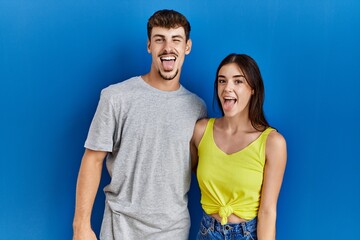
[{"x": 211, "y": 229}]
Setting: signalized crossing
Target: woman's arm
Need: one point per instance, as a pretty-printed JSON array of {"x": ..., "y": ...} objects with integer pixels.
[
  {"x": 199, "y": 130},
  {"x": 276, "y": 157}
]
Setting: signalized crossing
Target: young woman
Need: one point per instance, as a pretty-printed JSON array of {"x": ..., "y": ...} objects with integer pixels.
[{"x": 240, "y": 158}]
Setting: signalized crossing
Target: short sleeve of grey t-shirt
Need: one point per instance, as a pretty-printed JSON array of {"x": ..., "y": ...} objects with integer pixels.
[{"x": 102, "y": 128}]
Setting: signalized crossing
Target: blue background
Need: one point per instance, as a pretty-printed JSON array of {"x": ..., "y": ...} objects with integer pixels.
[{"x": 56, "y": 56}]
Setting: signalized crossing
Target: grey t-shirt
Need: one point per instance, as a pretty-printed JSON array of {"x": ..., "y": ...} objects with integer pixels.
[{"x": 147, "y": 133}]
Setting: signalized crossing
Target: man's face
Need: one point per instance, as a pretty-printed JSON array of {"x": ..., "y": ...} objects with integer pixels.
[{"x": 168, "y": 48}]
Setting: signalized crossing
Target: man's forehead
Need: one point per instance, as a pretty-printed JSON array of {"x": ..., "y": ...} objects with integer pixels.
[{"x": 177, "y": 31}]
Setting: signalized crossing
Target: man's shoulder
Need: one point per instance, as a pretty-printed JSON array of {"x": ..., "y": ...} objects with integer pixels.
[
  {"x": 122, "y": 84},
  {"x": 192, "y": 95},
  {"x": 119, "y": 88},
  {"x": 195, "y": 102}
]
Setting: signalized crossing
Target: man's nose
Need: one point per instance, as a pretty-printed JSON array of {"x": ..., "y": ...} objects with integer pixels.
[{"x": 168, "y": 46}]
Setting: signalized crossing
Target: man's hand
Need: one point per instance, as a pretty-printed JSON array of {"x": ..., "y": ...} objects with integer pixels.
[{"x": 85, "y": 234}]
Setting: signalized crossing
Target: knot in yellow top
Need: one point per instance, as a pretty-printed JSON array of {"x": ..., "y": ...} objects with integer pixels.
[{"x": 224, "y": 213}]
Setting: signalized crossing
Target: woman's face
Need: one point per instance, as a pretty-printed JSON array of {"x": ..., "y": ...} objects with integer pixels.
[{"x": 233, "y": 89}]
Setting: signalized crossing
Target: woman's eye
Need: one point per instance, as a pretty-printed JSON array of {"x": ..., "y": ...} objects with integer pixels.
[
  {"x": 221, "y": 81},
  {"x": 238, "y": 81}
]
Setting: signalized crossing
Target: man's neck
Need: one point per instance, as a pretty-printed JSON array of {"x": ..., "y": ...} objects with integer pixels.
[{"x": 156, "y": 81}]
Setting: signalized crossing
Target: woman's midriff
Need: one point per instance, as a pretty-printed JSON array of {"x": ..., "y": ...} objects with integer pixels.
[{"x": 231, "y": 219}]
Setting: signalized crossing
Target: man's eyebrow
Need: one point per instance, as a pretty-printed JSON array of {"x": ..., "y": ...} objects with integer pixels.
[
  {"x": 158, "y": 35},
  {"x": 163, "y": 36},
  {"x": 177, "y": 36}
]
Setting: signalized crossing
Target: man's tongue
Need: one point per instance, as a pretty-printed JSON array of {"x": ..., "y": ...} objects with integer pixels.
[
  {"x": 168, "y": 65},
  {"x": 228, "y": 104}
]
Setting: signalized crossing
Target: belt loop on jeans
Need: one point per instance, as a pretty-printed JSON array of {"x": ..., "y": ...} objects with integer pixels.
[
  {"x": 212, "y": 227},
  {"x": 244, "y": 229}
]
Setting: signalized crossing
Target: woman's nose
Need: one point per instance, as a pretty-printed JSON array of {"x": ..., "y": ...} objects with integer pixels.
[{"x": 228, "y": 87}]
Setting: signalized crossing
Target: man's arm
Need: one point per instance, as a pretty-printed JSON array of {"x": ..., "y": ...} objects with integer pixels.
[{"x": 86, "y": 189}]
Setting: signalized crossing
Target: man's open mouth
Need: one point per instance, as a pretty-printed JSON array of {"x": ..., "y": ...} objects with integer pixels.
[{"x": 168, "y": 62}]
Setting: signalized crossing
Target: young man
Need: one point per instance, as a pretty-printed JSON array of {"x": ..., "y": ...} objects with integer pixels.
[{"x": 143, "y": 127}]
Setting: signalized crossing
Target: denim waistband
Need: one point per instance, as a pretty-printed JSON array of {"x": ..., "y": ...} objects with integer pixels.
[{"x": 244, "y": 227}]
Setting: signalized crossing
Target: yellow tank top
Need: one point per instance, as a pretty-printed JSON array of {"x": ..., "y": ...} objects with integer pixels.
[{"x": 231, "y": 183}]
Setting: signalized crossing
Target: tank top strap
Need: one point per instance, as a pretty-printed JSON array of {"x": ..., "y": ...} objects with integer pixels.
[
  {"x": 210, "y": 124},
  {"x": 267, "y": 131},
  {"x": 209, "y": 129},
  {"x": 207, "y": 137},
  {"x": 264, "y": 135},
  {"x": 262, "y": 142}
]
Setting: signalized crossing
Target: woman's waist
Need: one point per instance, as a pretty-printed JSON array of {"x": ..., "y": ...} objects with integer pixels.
[
  {"x": 231, "y": 213},
  {"x": 209, "y": 222},
  {"x": 232, "y": 218}
]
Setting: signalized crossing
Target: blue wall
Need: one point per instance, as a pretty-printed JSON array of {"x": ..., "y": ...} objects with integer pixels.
[{"x": 56, "y": 56}]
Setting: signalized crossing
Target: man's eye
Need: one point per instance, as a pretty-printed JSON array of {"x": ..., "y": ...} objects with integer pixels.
[{"x": 158, "y": 40}]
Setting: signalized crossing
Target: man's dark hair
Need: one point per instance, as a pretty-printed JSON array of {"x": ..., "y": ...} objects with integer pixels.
[{"x": 168, "y": 19}]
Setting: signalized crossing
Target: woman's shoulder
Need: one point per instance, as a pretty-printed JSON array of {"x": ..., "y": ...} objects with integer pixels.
[
  {"x": 275, "y": 142},
  {"x": 199, "y": 130},
  {"x": 202, "y": 123},
  {"x": 275, "y": 136}
]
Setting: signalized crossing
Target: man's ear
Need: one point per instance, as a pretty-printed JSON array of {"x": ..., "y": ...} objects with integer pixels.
[
  {"x": 148, "y": 46},
  {"x": 188, "y": 46}
]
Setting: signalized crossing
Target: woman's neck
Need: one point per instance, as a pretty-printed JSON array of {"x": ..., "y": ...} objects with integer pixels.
[{"x": 235, "y": 124}]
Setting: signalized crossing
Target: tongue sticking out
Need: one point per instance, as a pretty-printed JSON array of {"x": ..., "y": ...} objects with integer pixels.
[
  {"x": 168, "y": 65},
  {"x": 228, "y": 104}
]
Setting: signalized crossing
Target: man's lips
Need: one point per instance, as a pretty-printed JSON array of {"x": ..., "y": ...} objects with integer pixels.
[{"x": 168, "y": 58}]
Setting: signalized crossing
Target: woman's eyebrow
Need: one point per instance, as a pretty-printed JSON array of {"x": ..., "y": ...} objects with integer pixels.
[{"x": 235, "y": 76}]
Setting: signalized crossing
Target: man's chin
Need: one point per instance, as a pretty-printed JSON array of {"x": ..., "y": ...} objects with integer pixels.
[{"x": 169, "y": 76}]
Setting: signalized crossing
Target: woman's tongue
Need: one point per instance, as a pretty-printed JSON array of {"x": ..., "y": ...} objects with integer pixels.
[
  {"x": 168, "y": 65},
  {"x": 228, "y": 104}
]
